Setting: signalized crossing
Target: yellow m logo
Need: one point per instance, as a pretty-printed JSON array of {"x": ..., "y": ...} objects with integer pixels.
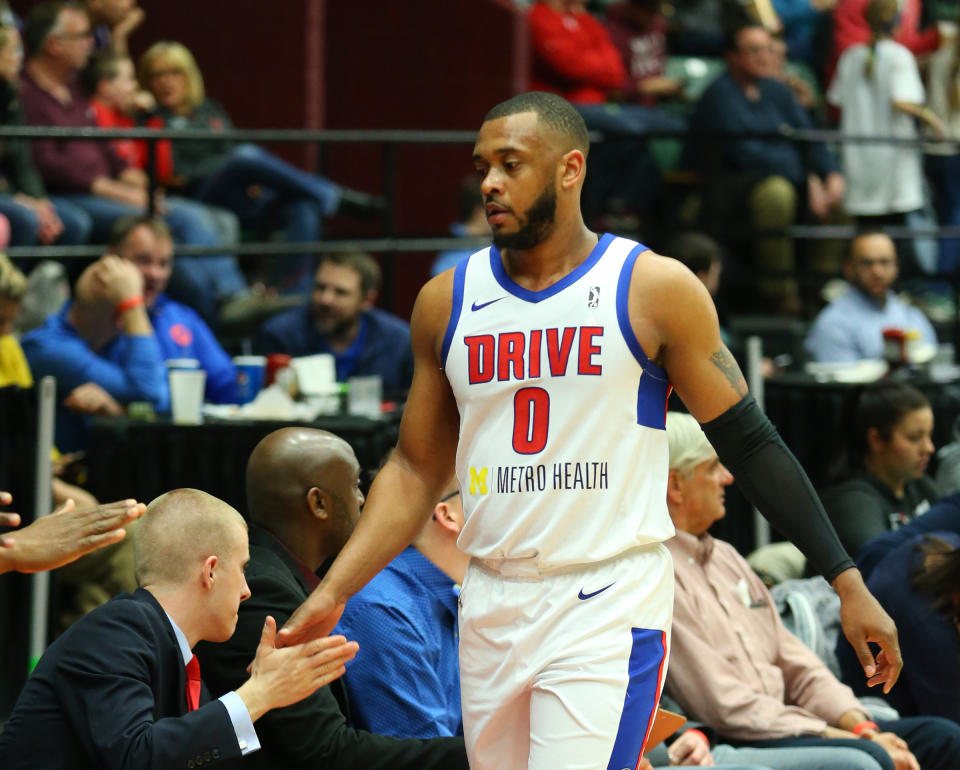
[{"x": 478, "y": 481}]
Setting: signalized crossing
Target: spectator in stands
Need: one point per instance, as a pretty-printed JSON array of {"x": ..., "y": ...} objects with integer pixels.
[
  {"x": 246, "y": 179},
  {"x": 803, "y": 92},
  {"x": 638, "y": 30},
  {"x": 942, "y": 162},
  {"x": 406, "y": 682},
  {"x": 102, "y": 349},
  {"x": 851, "y": 327},
  {"x": 180, "y": 332},
  {"x": 113, "y": 22},
  {"x": 34, "y": 217},
  {"x": 734, "y": 666},
  {"x": 303, "y": 497},
  {"x": 878, "y": 89},
  {"x": 776, "y": 182},
  {"x": 472, "y": 222},
  {"x": 340, "y": 319},
  {"x": 850, "y": 27},
  {"x": 918, "y": 584},
  {"x": 123, "y": 686},
  {"x": 881, "y": 476},
  {"x": 63, "y": 536},
  {"x": 805, "y": 23},
  {"x": 573, "y": 56},
  {"x": 14, "y": 369},
  {"x": 89, "y": 174}
]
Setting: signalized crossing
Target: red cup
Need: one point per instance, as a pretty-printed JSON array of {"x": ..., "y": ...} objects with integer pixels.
[{"x": 276, "y": 362}]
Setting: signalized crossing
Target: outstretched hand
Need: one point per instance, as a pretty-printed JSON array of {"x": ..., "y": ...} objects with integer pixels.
[
  {"x": 279, "y": 678},
  {"x": 66, "y": 535},
  {"x": 313, "y": 619},
  {"x": 865, "y": 621}
]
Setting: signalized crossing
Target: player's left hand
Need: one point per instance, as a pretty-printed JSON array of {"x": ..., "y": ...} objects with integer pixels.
[{"x": 864, "y": 621}]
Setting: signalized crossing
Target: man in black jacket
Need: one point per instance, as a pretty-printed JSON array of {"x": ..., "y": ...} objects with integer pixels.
[
  {"x": 120, "y": 688},
  {"x": 303, "y": 499}
]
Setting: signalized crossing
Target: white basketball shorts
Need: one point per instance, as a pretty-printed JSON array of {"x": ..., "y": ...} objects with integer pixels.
[{"x": 563, "y": 670}]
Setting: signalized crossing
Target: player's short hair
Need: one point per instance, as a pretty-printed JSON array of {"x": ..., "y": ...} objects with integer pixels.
[
  {"x": 179, "y": 531},
  {"x": 695, "y": 250},
  {"x": 127, "y": 224},
  {"x": 553, "y": 110},
  {"x": 363, "y": 264}
]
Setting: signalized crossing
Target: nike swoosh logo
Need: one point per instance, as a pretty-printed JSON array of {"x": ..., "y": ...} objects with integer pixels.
[
  {"x": 582, "y": 595},
  {"x": 482, "y": 305}
]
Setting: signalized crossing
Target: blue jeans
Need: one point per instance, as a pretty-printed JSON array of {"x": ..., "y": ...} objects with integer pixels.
[
  {"x": 77, "y": 225},
  {"x": 205, "y": 280},
  {"x": 294, "y": 199},
  {"x": 934, "y": 741}
]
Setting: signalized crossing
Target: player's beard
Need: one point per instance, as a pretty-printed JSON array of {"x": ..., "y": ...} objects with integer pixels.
[{"x": 537, "y": 223}]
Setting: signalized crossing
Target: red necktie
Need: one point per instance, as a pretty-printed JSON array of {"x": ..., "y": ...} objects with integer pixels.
[{"x": 193, "y": 684}]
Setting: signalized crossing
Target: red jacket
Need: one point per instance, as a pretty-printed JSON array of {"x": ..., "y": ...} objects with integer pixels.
[
  {"x": 134, "y": 151},
  {"x": 573, "y": 56}
]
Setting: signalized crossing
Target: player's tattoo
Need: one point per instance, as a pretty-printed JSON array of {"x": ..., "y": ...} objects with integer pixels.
[{"x": 725, "y": 362}]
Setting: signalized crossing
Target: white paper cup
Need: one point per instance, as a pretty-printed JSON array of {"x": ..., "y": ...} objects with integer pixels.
[
  {"x": 182, "y": 363},
  {"x": 365, "y": 396},
  {"x": 186, "y": 395}
]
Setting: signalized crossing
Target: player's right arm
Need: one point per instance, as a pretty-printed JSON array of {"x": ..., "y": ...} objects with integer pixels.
[{"x": 406, "y": 489}]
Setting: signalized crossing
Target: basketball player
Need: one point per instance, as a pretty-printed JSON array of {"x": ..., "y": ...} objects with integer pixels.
[{"x": 543, "y": 365}]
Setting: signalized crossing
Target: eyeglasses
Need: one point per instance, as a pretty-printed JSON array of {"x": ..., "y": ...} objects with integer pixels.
[
  {"x": 84, "y": 35},
  {"x": 450, "y": 496}
]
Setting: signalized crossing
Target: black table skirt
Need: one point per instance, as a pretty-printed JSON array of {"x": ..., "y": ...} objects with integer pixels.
[{"x": 145, "y": 459}]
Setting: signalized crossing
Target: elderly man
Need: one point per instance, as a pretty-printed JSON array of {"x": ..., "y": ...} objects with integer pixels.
[
  {"x": 121, "y": 688},
  {"x": 303, "y": 498},
  {"x": 180, "y": 331},
  {"x": 851, "y": 327},
  {"x": 406, "y": 682},
  {"x": 735, "y": 667},
  {"x": 341, "y": 319},
  {"x": 102, "y": 349}
]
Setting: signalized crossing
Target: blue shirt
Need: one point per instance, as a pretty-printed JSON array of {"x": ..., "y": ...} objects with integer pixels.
[
  {"x": 725, "y": 108},
  {"x": 405, "y": 680},
  {"x": 851, "y": 327},
  {"x": 129, "y": 368},
  {"x": 182, "y": 333},
  {"x": 382, "y": 347}
]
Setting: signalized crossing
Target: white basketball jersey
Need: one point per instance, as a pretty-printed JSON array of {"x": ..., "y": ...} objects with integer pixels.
[{"x": 563, "y": 453}]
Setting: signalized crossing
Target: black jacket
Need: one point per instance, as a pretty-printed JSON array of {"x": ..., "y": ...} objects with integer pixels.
[
  {"x": 110, "y": 693},
  {"x": 314, "y": 734}
]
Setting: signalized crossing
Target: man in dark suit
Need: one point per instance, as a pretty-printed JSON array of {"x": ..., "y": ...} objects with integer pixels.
[
  {"x": 303, "y": 498},
  {"x": 120, "y": 689}
]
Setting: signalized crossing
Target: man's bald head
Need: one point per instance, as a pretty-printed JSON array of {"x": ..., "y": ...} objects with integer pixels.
[
  {"x": 179, "y": 531},
  {"x": 286, "y": 464},
  {"x": 553, "y": 112}
]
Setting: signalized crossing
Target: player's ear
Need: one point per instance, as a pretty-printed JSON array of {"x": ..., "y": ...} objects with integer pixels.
[
  {"x": 573, "y": 169},
  {"x": 209, "y": 571}
]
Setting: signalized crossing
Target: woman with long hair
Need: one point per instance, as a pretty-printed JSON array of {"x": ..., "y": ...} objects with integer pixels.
[{"x": 882, "y": 473}]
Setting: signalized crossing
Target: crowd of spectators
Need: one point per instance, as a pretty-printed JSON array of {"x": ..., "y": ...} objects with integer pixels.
[{"x": 759, "y": 697}]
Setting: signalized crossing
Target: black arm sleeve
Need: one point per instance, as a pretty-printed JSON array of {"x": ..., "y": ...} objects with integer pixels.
[{"x": 772, "y": 479}]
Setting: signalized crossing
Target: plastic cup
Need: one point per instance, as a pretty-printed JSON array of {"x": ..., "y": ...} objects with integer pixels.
[
  {"x": 251, "y": 374},
  {"x": 365, "y": 396},
  {"x": 182, "y": 363},
  {"x": 186, "y": 395}
]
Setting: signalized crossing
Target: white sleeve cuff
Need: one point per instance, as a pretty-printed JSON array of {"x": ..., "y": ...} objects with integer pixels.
[{"x": 242, "y": 723}]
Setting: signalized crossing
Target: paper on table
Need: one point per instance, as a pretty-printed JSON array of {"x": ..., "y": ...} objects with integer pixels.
[{"x": 316, "y": 375}]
